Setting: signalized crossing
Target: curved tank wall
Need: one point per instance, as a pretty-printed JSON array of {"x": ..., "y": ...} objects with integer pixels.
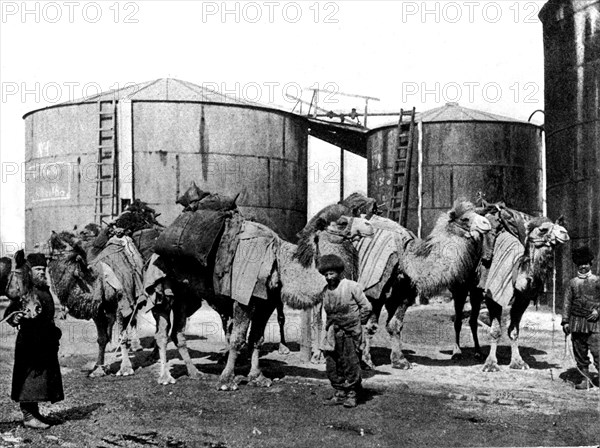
[
  {"x": 572, "y": 108},
  {"x": 224, "y": 148},
  {"x": 461, "y": 158}
]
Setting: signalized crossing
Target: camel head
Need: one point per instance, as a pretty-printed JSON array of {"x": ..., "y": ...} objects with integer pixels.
[
  {"x": 464, "y": 220},
  {"x": 351, "y": 228},
  {"x": 543, "y": 232}
]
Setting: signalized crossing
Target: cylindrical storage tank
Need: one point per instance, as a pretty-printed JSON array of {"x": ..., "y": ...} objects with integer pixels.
[
  {"x": 169, "y": 133},
  {"x": 572, "y": 107},
  {"x": 464, "y": 152}
]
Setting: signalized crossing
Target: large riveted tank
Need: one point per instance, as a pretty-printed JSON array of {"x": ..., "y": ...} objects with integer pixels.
[
  {"x": 572, "y": 107},
  {"x": 169, "y": 133},
  {"x": 464, "y": 152}
]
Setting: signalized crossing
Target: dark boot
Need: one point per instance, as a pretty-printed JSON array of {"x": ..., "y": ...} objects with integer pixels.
[
  {"x": 586, "y": 381},
  {"x": 338, "y": 398},
  {"x": 350, "y": 400},
  {"x": 30, "y": 419}
]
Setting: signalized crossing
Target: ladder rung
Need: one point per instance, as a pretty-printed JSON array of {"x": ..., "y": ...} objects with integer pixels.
[
  {"x": 106, "y": 129},
  {"x": 106, "y": 146}
]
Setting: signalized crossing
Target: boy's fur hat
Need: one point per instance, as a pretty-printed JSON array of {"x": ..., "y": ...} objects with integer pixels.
[
  {"x": 582, "y": 255},
  {"x": 330, "y": 262}
]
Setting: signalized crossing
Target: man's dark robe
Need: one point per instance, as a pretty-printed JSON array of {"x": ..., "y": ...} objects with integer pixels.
[{"x": 36, "y": 373}]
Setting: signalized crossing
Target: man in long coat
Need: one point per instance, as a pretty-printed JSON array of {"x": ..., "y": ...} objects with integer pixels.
[{"x": 36, "y": 373}]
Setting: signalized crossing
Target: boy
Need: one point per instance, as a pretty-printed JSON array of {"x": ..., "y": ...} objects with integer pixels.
[
  {"x": 347, "y": 310},
  {"x": 36, "y": 373},
  {"x": 580, "y": 314}
]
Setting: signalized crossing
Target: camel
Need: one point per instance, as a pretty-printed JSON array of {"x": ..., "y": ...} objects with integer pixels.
[
  {"x": 532, "y": 268},
  {"x": 529, "y": 230},
  {"x": 284, "y": 280},
  {"x": 402, "y": 266},
  {"x": 95, "y": 291}
]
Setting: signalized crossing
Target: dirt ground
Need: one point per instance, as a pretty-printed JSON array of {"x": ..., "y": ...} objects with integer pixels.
[{"x": 439, "y": 402}]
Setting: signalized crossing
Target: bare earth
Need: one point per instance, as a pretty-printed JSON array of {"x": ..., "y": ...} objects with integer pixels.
[{"x": 438, "y": 402}]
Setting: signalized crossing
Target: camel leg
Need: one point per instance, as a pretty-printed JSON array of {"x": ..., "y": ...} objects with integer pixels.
[
  {"x": 476, "y": 296},
  {"x": 283, "y": 349},
  {"x": 180, "y": 316},
  {"x": 134, "y": 339},
  {"x": 161, "y": 315},
  {"x": 516, "y": 313},
  {"x": 103, "y": 328},
  {"x": 459, "y": 296},
  {"x": 126, "y": 368},
  {"x": 370, "y": 331},
  {"x": 396, "y": 313},
  {"x": 491, "y": 362},
  {"x": 241, "y": 322},
  {"x": 260, "y": 317}
]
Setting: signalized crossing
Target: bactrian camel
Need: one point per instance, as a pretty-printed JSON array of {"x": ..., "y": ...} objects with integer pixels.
[
  {"x": 188, "y": 283},
  {"x": 87, "y": 292},
  {"x": 414, "y": 266}
]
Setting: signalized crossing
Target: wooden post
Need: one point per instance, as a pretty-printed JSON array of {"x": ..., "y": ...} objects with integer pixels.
[
  {"x": 305, "y": 335},
  {"x": 341, "y": 174}
]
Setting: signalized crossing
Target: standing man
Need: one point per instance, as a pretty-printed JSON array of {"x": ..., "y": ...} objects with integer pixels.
[
  {"x": 347, "y": 311},
  {"x": 580, "y": 314},
  {"x": 36, "y": 373}
]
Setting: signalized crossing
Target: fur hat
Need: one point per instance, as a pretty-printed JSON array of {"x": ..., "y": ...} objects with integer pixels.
[
  {"x": 330, "y": 262},
  {"x": 582, "y": 255},
  {"x": 36, "y": 259}
]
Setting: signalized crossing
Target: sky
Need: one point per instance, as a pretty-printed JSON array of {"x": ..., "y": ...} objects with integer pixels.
[{"x": 484, "y": 55}]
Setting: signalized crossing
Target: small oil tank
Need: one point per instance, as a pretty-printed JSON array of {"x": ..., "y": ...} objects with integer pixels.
[
  {"x": 168, "y": 133},
  {"x": 464, "y": 152}
]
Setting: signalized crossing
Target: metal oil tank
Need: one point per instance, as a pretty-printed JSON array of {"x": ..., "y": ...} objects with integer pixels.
[
  {"x": 168, "y": 134},
  {"x": 463, "y": 152},
  {"x": 572, "y": 107}
]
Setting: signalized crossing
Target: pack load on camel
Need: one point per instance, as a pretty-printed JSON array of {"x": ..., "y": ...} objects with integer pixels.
[
  {"x": 196, "y": 231},
  {"x": 248, "y": 273},
  {"x": 98, "y": 274}
]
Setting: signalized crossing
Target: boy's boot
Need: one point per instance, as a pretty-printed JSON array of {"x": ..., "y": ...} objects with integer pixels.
[
  {"x": 586, "y": 381},
  {"x": 30, "y": 410},
  {"x": 350, "y": 401},
  {"x": 338, "y": 398}
]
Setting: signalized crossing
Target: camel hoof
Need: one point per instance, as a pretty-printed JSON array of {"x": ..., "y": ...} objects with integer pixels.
[
  {"x": 166, "y": 379},
  {"x": 98, "y": 372},
  {"x": 125, "y": 371},
  {"x": 519, "y": 365},
  {"x": 283, "y": 350},
  {"x": 491, "y": 367},
  {"x": 229, "y": 386},
  {"x": 195, "y": 374},
  {"x": 368, "y": 364},
  {"x": 402, "y": 364},
  {"x": 260, "y": 381}
]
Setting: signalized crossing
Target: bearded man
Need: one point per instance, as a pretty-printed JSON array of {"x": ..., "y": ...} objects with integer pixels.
[{"x": 36, "y": 372}]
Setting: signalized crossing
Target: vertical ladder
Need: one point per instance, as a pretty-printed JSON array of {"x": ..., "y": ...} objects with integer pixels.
[
  {"x": 106, "y": 199},
  {"x": 401, "y": 172}
]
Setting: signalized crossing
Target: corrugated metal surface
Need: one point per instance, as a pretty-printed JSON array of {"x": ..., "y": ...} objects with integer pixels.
[
  {"x": 501, "y": 158},
  {"x": 258, "y": 152},
  {"x": 572, "y": 106}
]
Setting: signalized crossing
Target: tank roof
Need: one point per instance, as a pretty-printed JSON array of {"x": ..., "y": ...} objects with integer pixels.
[
  {"x": 163, "y": 89},
  {"x": 453, "y": 112}
]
